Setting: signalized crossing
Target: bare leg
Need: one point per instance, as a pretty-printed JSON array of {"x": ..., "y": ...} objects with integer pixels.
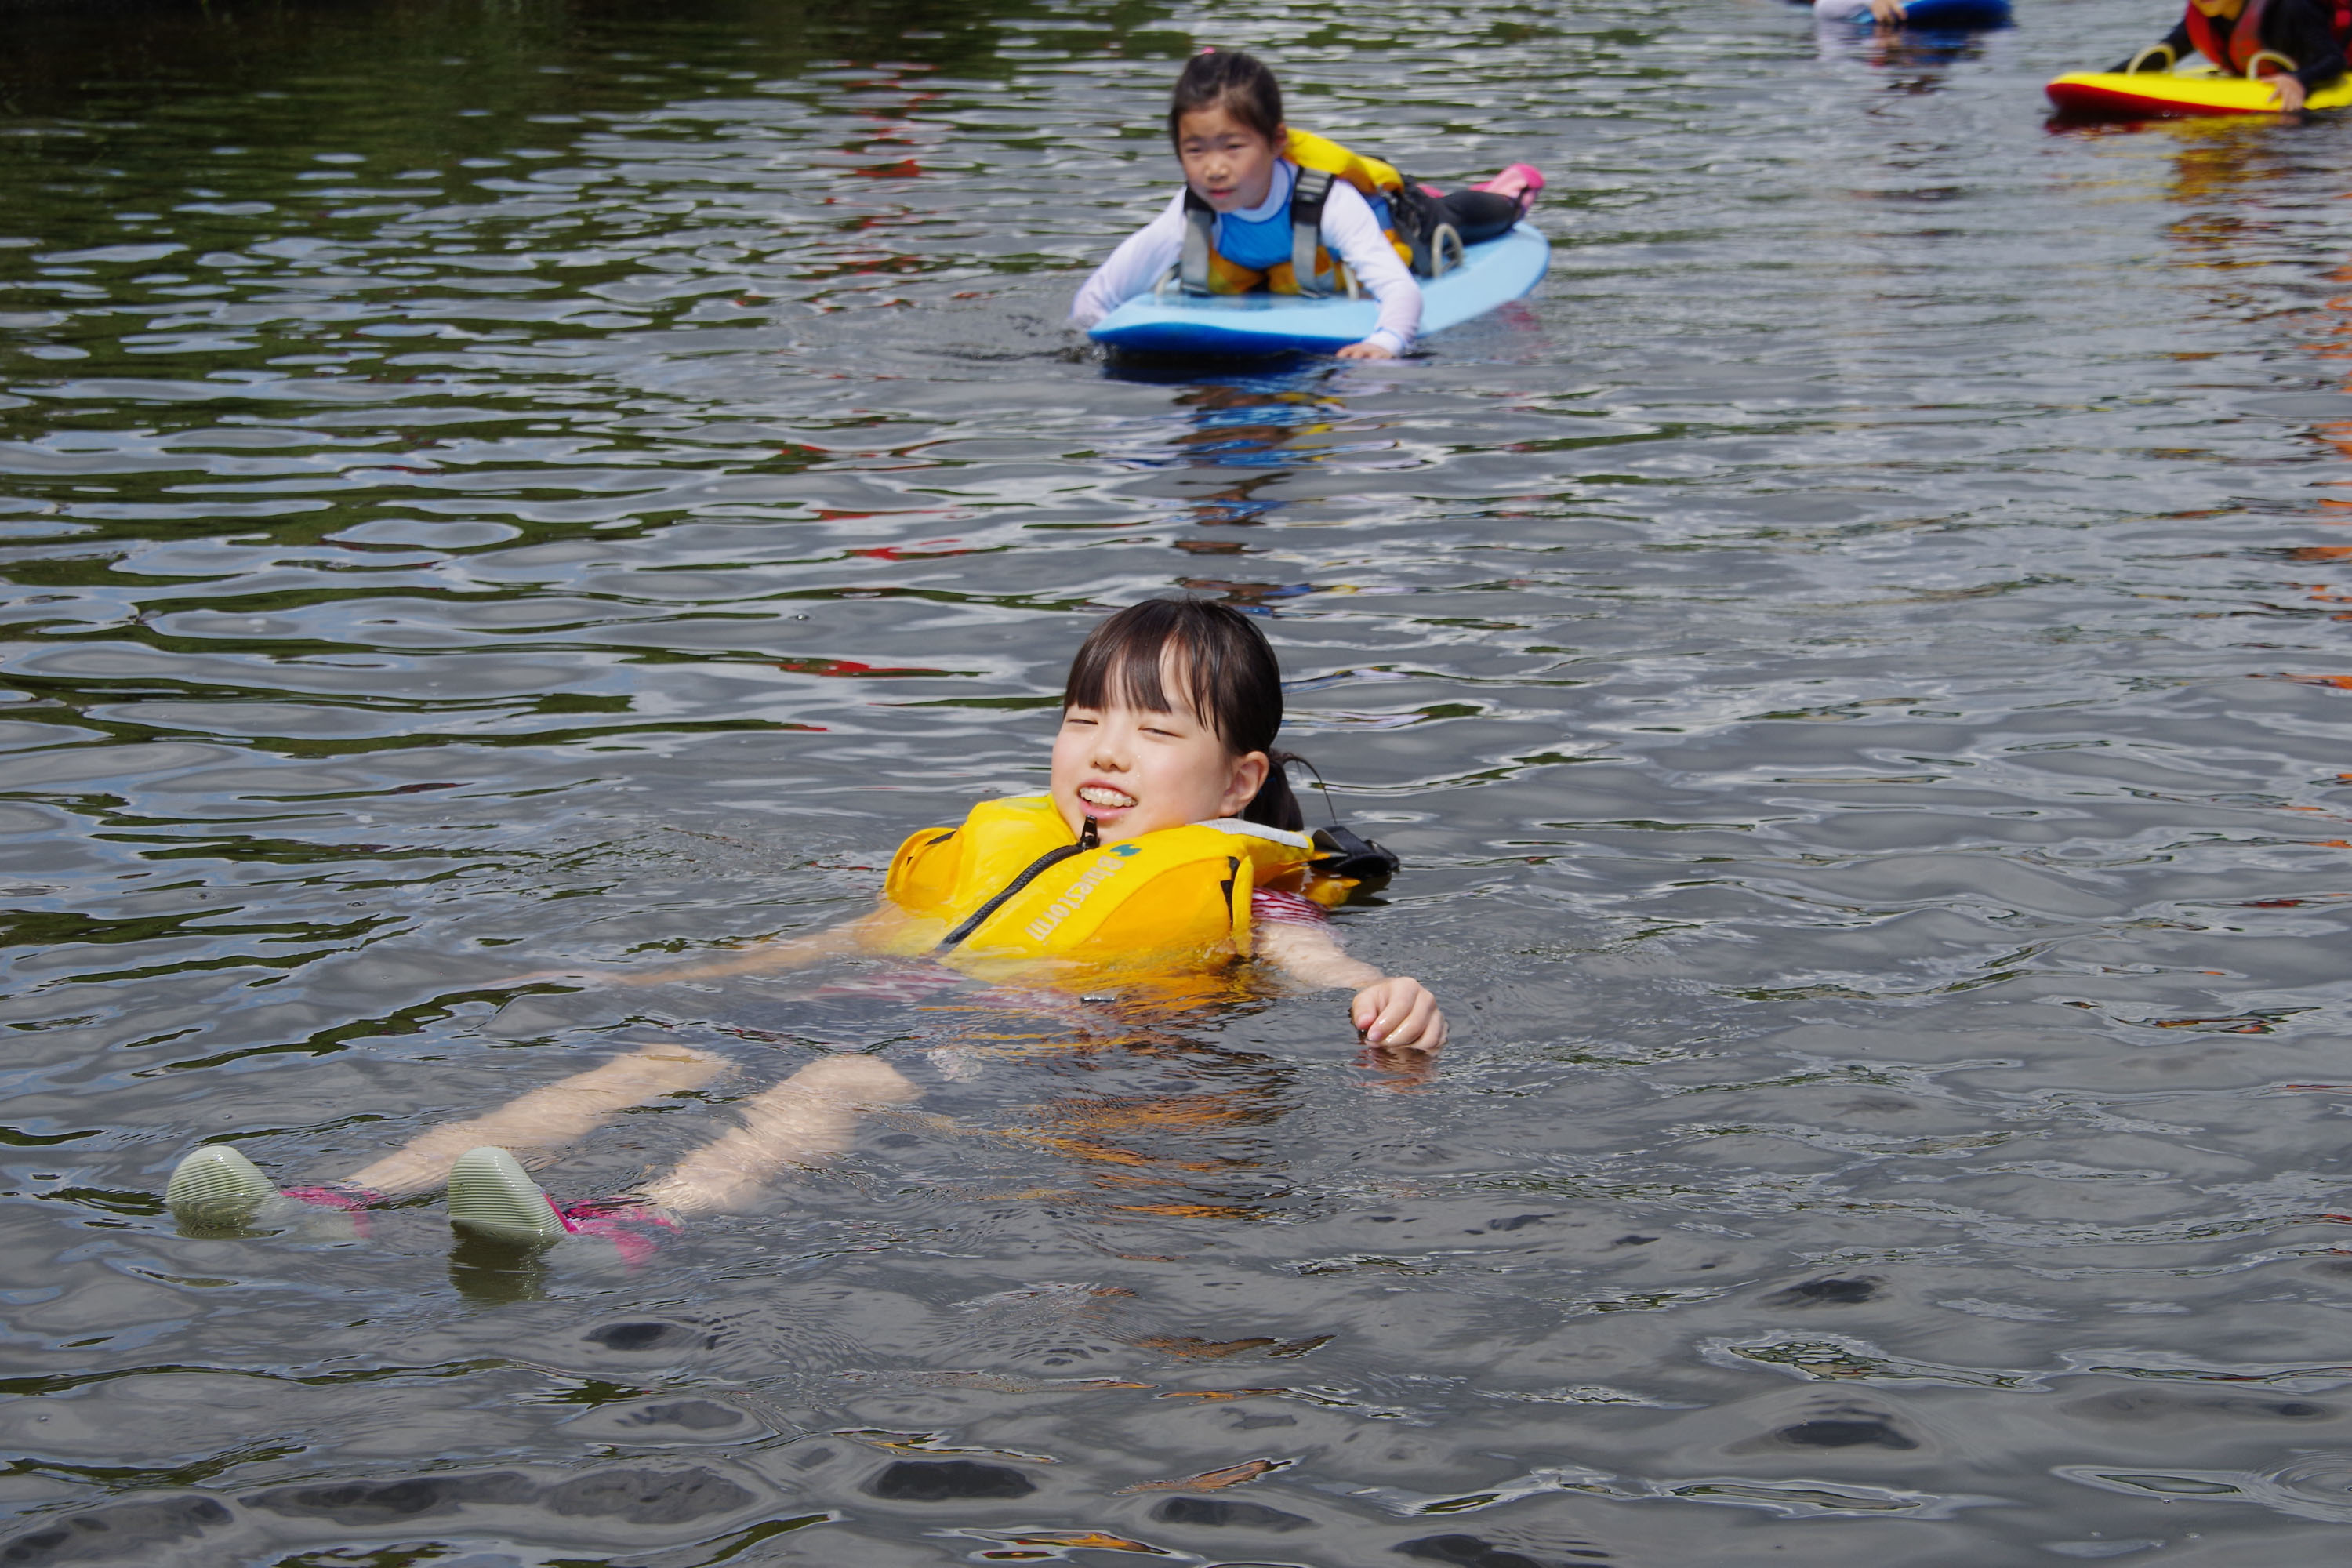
[
  {"x": 811, "y": 1115},
  {"x": 545, "y": 1118}
]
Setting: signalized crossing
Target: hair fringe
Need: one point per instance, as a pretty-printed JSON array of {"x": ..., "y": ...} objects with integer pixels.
[{"x": 1231, "y": 79}]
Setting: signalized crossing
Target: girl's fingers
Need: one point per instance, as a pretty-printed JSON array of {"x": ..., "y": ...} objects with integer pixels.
[
  {"x": 1392, "y": 1004},
  {"x": 1399, "y": 1012},
  {"x": 1403, "y": 1022},
  {"x": 1419, "y": 1025},
  {"x": 1426, "y": 1030}
]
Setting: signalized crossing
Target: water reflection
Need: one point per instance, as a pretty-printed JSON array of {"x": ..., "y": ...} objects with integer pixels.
[
  {"x": 1916, "y": 58},
  {"x": 1250, "y": 427},
  {"x": 585, "y": 502},
  {"x": 2241, "y": 186}
]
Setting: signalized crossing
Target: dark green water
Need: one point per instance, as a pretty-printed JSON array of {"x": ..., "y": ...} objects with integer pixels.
[{"x": 1856, "y": 667}]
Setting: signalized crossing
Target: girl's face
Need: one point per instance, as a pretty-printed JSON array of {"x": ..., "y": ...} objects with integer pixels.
[
  {"x": 1136, "y": 772},
  {"x": 1228, "y": 165}
]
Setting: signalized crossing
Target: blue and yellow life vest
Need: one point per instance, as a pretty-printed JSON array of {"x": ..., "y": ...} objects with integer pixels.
[
  {"x": 1009, "y": 882},
  {"x": 1298, "y": 237}
]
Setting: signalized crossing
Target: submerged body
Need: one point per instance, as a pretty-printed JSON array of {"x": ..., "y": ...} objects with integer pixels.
[{"x": 1170, "y": 822}]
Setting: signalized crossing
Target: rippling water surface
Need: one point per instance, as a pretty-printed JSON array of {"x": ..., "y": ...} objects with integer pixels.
[{"x": 1855, "y": 666}]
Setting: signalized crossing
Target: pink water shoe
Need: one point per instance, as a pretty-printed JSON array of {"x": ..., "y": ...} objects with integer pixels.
[
  {"x": 1520, "y": 181},
  {"x": 352, "y": 1201},
  {"x": 635, "y": 1228}
]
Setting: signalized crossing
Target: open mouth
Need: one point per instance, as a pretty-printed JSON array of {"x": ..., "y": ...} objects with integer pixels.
[{"x": 1105, "y": 796}]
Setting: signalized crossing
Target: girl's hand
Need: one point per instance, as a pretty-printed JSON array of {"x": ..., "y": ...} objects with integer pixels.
[
  {"x": 1368, "y": 350},
  {"x": 1886, "y": 13},
  {"x": 2289, "y": 97},
  {"x": 1399, "y": 1011}
]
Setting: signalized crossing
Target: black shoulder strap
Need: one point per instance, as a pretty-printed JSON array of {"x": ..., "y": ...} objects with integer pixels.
[
  {"x": 1307, "y": 199},
  {"x": 1416, "y": 217},
  {"x": 1200, "y": 241}
]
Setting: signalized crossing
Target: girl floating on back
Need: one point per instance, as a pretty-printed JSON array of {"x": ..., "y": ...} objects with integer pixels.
[
  {"x": 1168, "y": 843},
  {"x": 1264, "y": 206}
]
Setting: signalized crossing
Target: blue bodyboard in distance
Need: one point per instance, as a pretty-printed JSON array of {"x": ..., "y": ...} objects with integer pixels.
[
  {"x": 1945, "y": 15},
  {"x": 1493, "y": 273},
  {"x": 1953, "y": 16}
]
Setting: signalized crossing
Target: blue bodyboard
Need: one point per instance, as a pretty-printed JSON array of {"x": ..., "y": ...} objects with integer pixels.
[
  {"x": 1491, "y": 274},
  {"x": 1953, "y": 16},
  {"x": 1945, "y": 15}
]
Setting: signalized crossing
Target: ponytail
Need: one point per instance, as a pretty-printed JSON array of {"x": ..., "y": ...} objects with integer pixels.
[{"x": 1275, "y": 804}]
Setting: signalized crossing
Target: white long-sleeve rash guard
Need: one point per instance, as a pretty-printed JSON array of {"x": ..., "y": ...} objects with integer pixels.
[{"x": 1349, "y": 231}]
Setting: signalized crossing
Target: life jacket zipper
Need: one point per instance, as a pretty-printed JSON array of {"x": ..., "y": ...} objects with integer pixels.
[{"x": 1035, "y": 868}]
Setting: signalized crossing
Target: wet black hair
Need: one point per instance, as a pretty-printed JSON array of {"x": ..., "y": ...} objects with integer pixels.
[
  {"x": 1229, "y": 79},
  {"x": 1232, "y": 683}
]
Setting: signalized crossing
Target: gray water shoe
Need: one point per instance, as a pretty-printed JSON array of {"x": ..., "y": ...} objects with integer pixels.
[
  {"x": 490, "y": 1195},
  {"x": 215, "y": 1187}
]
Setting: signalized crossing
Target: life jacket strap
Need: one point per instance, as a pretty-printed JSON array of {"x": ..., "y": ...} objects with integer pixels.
[
  {"x": 2246, "y": 50},
  {"x": 1307, "y": 198},
  {"x": 2240, "y": 51},
  {"x": 1200, "y": 243}
]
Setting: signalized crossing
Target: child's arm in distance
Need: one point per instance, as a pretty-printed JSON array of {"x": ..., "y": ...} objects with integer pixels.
[
  {"x": 1391, "y": 1010},
  {"x": 1352, "y": 232},
  {"x": 778, "y": 953}
]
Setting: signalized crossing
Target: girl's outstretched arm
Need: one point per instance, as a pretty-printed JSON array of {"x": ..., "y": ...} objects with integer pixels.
[
  {"x": 860, "y": 935},
  {"x": 1133, "y": 268},
  {"x": 777, "y": 953},
  {"x": 1391, "y": 1010},
  {"x": 1352, "y": 233}
]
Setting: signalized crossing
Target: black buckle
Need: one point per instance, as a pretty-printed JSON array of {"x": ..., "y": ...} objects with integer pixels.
[{"x": 1347, "y": 855}]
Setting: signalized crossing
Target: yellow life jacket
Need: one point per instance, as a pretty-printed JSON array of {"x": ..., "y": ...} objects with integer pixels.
[
  {"x": 1369, "y": 176},
  {"x": 1008, "y": 882},
  {"x": 1320, "y": 161}
]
